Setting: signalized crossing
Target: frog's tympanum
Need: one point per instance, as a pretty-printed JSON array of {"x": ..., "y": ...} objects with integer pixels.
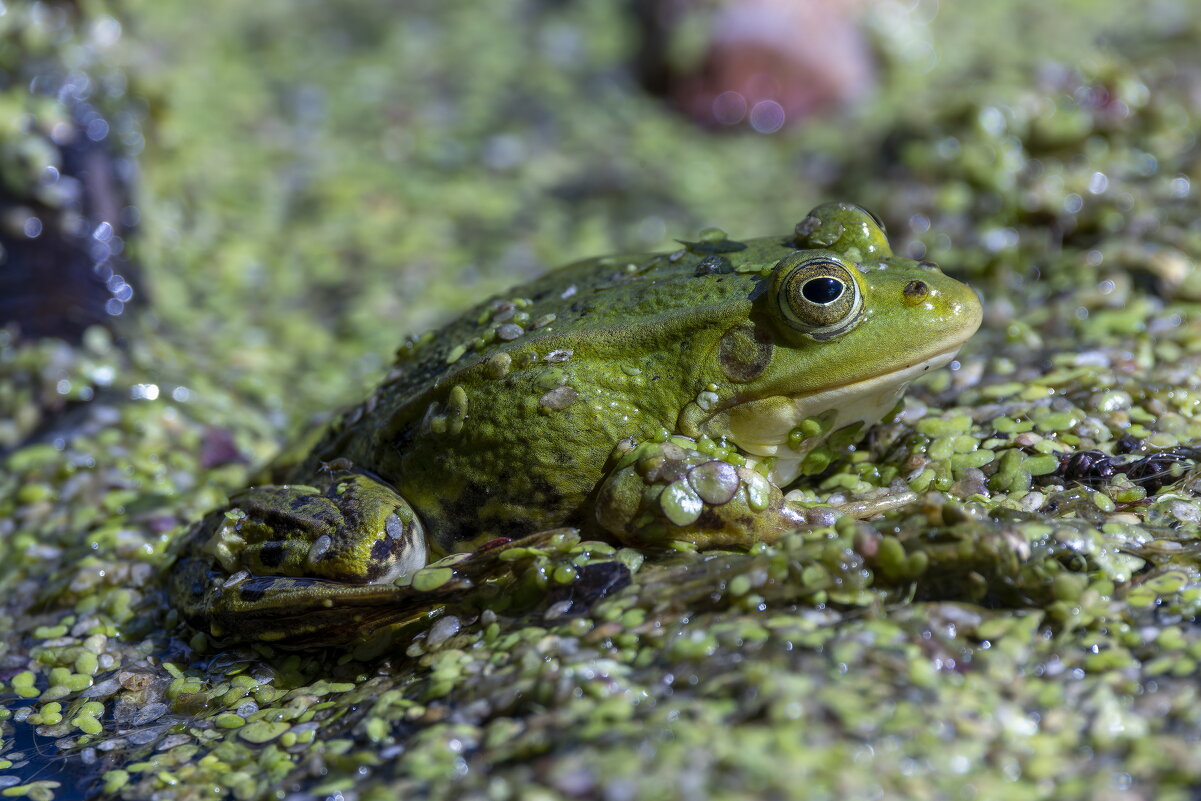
[{"x": 646, "y": 399}]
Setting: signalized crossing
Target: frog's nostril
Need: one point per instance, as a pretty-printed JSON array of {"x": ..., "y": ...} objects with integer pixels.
[{"x": 916, "y": 290}]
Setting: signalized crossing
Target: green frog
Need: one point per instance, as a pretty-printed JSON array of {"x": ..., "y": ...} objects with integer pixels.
[{"x": 644, "y": 399}]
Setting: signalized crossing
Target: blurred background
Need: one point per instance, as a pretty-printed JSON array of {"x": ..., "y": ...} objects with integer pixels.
[{"x": 273, "y": 194}]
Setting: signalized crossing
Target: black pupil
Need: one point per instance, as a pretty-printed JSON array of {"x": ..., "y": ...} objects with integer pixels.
[{"x": 822, "y": 290}]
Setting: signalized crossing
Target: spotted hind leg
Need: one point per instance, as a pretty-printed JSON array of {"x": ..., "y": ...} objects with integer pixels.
[
  {"x": 279, "y": 548},
  {"x": 349, "y": 528}
]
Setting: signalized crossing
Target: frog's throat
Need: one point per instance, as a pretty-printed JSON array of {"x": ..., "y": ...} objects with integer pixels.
[{"x": 762, "y": 428}]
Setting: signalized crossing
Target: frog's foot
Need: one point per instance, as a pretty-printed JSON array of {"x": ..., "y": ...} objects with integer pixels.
[{"x": 660, "y": 492}]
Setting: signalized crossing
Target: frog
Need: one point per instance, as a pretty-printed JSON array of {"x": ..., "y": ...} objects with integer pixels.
[{"x": 658, "y": 401}]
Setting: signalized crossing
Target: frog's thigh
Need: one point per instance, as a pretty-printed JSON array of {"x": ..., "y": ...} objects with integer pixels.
[
  {"x": 663, "y": 492},
  {"x": 350, "y": 528}
]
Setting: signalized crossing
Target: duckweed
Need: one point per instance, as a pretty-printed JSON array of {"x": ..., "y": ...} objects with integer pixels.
[{"x": 1008, "y": 620}]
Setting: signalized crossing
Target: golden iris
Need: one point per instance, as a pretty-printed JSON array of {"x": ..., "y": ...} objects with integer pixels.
[{"x": 818, "y": 294}]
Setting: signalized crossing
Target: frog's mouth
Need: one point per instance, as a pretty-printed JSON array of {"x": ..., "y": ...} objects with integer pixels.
[{"x": 762, "y": 428}]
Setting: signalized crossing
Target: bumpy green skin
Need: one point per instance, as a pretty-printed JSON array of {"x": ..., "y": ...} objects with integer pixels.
[{"x": 553, "y": 406}]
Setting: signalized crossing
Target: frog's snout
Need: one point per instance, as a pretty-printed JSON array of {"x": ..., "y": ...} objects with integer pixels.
[{"x": 965, "y": 307}]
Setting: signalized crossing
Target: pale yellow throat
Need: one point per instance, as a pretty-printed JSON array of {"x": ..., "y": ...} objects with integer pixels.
[{"x": 762, "y": 428}]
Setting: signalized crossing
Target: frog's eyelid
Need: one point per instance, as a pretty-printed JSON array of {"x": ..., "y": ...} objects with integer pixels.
[{"x": 878, "y": 221}]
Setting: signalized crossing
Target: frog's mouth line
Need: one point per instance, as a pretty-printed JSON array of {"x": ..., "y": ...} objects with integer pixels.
[{"x": 763, "y": 429}]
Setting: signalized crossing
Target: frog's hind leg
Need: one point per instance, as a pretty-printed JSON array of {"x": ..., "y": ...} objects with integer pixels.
[
  {"x": 305, "y": 611},
  {"x": 282, "y": 551},
  {"x": 660, "y": 492},
  {"x": 350, "y": 528}
]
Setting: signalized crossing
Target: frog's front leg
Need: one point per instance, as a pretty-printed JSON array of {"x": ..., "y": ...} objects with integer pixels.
[{"x": 659, "y": 492}]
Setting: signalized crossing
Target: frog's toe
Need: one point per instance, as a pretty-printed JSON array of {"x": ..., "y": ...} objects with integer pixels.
[{"x": 664, "y": 492}]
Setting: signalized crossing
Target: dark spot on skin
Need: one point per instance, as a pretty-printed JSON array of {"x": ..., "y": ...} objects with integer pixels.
[
  {"x": 272, "y": 554},
  {"x": 251, "y": 594},
  {"x": 547, "y": 492},
  {"x": 508, "y": 529},
  {"x": 383, "y": 554},
  {"x": 460, "y": 520},
  {"x": 709, "y": 520},
  {"x": 380, "y": 551},
  {"x": 303, "y": 513},
  {"x": 744, "y": 352},
  {"x": 467, "y": 505},
  {"x": 463, "y": 521},
  {"x": 402, "y": 440},
  {"x": 916, "y": 290}
]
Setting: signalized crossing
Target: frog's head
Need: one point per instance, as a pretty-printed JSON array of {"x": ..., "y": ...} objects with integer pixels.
[{"x": 837, "y": 330}]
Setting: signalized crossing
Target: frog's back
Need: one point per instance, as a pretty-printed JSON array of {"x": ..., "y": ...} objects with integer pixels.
[
  {"x": 630, "y": 290},
  {"x": 620, "y": 304}
]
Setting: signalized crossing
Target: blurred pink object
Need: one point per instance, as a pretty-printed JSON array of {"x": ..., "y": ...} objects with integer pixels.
[{"x": 772, "y": 63}]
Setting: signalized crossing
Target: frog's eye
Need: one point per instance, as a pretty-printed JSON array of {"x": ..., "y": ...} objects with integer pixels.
[{"x": 817, "y": 295}]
